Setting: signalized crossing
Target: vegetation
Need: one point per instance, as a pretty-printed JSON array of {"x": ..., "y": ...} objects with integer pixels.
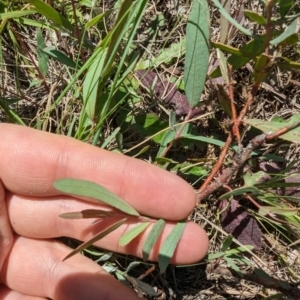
[{"x": 212, "y": 97}]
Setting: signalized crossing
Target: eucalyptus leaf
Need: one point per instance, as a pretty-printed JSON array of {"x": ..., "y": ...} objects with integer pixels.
[
  {"x": 99, "y": 194},
  {"x": 167, "y": 249}
]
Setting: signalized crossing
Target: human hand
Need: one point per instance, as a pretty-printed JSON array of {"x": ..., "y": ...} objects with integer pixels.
[{"x": 31, "y": 161}]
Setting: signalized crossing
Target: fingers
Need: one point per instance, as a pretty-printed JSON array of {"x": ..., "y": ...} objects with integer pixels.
[
  {"x": 44, "y": 274},
  {"x": 8, "y": 294},
  {"x": 40, "y": 158},
  {"x": 6, "y": 236},
  {"x": 39, "y": 219}
]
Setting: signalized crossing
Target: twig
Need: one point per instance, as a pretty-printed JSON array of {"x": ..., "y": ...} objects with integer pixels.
[
  {"x": 240, "y": 158},
  {"x": 236, "y": 124},
  {"x": 217, "y": 165}
]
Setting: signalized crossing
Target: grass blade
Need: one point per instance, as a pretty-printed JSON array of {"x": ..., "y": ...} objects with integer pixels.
[
  {"x": 96, "y": 238},
  {"x": 51, "y": 14},
  {"x": 128, "y": 236},
  {"x": 94, "y": 191},
  {"x": 43, "y": 59},
  {"x": 152, "y": 238},
  {"x": 61, "y": 57},
  {"x": 197, "y": 51},
  {"x": 167, "y": 249},
  {"x": 226, "y": 15}
]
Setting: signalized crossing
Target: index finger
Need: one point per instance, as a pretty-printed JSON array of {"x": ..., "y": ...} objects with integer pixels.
[{"x": 32, "y": 160}]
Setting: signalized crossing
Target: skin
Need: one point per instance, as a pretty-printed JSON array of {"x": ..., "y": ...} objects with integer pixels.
[{"x": 31, "y": 260}]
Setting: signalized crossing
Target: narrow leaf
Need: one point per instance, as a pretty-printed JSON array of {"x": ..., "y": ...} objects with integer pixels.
[
  {"x": 290, "y": 30},
  {"x": 128, "y": 236},
  {"x": 255, "y": 17},
  {"x": 167, "y": 249},
  {"x": 204, "y": 139},
  {"x": 232, "y": 264},
  {"x": 197, "y": 51},
  {"x": 240, "y": 191},
  {"x": 50, "y": 13},
  {"x": 224, "y": 24},
  {"x": 287, "y": 212},
  {"x": 94, "y": 191},
  {"x": 86, "y": 214},
  {"x": 227, "y": 243},
  {"x": 271, "y": 127},
  {"x": 92, "y": 82},
  {"x": 152, "y": 238},
  {"x": 223, "y": 65},
  {"x": 285, "y": 6},
  {"x": 42, "y": 57},
  {"x": 96, "y": 238},
  {"x": 226, "y": 15},
  {"x": 61, "y": 57}
]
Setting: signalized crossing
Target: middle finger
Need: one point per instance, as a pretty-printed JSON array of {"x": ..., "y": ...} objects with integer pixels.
[{"x": 39, "y": 218}]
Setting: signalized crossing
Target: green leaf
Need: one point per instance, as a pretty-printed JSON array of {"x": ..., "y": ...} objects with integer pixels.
[
  {"x": 223, "y": 65},
  {"x": 42, "y": 57},
  {"x": 255, "y": 17},
  {"x": 166, "y": 55},
  {"x": 16, "y": 14},
  {"x": 197, "y": 51},
  {"x": 148, "y": 125},
  {"x": 287, "y": 212},
  {"x": 240, "y": 191},
  {"x": 254, "y": 47},
  {"x": 96, "y": 238},
  {"x": 51, "y": 14},
  {"x": 110, "y": 138},
  {"x": 290, "y": 30},
  {"x": 227, "y": 243},
  {"x": 254, "y": 178},
  {"x": 61, "y": 57},
  {"x": 271, "y": 127},
  {"x": 167, "y": 249},
  {"x": 99, "y": 194},
  {"x": 204, "y": 139},
  {"x": 226, "y": 15},
  {"x": 152, "y": 238},
  {"x": 128, "y": 236},
  {"x": 92, "y": 82},
  {"x": 226, "y": 48},
  {"x": 97, "y": 19},
  {"x": 285, "y": 6},
  {"x": 232, "y": 264}
]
